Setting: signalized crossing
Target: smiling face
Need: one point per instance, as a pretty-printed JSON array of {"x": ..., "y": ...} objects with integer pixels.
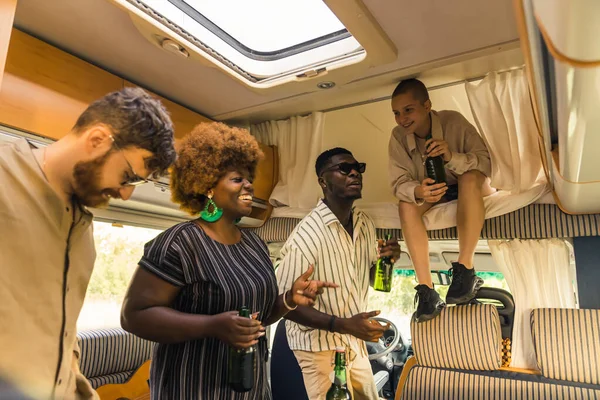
[
  {"x": 338, "y": 182},
  {"x": 233, "y": 193},
  {"x": 411, "y": 114}
]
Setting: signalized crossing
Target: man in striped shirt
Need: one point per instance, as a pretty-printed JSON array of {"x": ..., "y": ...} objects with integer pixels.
[{"x": 341, "y": 244}]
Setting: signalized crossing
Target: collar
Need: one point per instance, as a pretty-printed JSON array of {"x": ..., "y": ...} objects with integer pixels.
[
  {"x": 436, "y": 132},
  {"x": 25, "y": 147},
  {"x": 329, "y": 217}
]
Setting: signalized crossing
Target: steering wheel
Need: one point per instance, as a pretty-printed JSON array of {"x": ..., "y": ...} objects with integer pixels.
[{"x": 384, "y": 348}]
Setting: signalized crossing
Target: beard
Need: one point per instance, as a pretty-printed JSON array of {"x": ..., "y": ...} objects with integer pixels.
[{"x": 87, "y": 188}]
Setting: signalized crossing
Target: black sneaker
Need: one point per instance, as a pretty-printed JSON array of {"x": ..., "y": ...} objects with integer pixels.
[
  {"x": 429, "y": 306},
  {"x": 465, "y": 284}
]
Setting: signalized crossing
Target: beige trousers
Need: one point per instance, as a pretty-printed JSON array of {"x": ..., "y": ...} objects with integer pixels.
[{"x": 317, "y": 370}]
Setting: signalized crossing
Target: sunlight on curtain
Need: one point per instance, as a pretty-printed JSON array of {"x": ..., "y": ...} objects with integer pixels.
[
  {"x": 502, "y": 110},
  {"x": 540, "y": 275},
  {"x": 298, "y": 140}
]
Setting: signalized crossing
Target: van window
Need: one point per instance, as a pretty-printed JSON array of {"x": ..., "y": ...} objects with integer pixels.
[
  {"x": 118, "y": 250},
  {"x": 309, "y": 35}
]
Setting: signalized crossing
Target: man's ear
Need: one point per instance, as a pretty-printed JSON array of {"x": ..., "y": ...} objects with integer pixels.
[
  {"x": 322, "y": 182},
  {"x": 98, "y": 140},
  {"x": 427, "y": 105}
]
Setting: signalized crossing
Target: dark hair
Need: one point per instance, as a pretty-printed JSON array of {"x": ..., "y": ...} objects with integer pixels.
[
  {"x": 205, "y": 156},
  {"x": 414, "y": 86},
  {"x": 325, "y": 156},
  {"x": 136, "y": 119}
]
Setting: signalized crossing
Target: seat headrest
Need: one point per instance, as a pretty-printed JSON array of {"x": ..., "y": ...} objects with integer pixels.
[
  {"x": 110, "y": 351},
  {"x": 461, "y": 337},
  {"x": 567, "y": 343}
]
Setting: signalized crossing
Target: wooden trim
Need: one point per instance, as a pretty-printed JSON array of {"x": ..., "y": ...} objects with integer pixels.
[
  {"x": 521, "y": 370},
  {"x": 410, "y": 363},
  {"x": 184, "y": 119},
  {"x": 7, "y": 17},
  {"x": 44, "y": 89}
]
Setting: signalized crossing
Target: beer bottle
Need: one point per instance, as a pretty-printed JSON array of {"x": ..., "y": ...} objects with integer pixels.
[
  {"x": 339, "y": 388},
  {"x": 383, "y": 272},
  {"x": 241, "y": 364},
  {"x": 434, "y": 166}
]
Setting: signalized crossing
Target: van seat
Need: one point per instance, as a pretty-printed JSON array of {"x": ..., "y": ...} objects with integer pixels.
[
  {"x": 457, "y": 357},
  {"x": 111, "y": 355},
  {"x": 567, "y": 343}
]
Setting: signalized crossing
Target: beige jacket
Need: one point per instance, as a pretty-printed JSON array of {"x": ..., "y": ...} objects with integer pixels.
[
  {"x": 406, "y": 168},
  {"x": 46, "y": 260}
]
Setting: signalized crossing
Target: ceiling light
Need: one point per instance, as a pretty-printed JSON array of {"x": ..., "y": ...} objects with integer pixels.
[{"x": 325, "y": 85}]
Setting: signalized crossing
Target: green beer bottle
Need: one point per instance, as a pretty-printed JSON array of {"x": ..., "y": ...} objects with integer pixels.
[
  {"x": 434, "y": 167},
  {"x": 383, "y": 272},
  {"x": 339, "y": 389},
  {"x": 241, "y": 364}
]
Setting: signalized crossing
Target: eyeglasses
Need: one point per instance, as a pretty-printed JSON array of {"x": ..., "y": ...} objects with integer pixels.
[
  {"x": 346, "y": 167},
  {"x": 133, "y": 179}
]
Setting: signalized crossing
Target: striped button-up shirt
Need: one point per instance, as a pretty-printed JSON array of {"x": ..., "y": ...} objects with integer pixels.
[{"x": 321, "y": 240}]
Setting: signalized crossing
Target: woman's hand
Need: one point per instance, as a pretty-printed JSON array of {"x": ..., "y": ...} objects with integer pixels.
[
  {"x": 304, "y": 290},
  {"x": 236, "y": 331}
]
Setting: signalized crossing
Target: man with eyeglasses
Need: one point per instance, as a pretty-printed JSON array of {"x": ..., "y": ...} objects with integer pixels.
[
  {"x": 47, "y": 249},
  {"x": 340, "y": 242}
]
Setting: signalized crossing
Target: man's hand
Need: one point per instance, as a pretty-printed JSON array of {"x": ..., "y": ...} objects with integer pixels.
[
  {"x": 430, "y": 191},
  {"x": 437, "y": 147},
  {"x": 391, "y": 248},
  {"x": 362, "y": 326},
  {"x": 304, "y": 291}
]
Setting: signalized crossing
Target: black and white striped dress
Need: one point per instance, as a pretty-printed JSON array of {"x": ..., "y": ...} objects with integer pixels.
[{"x": 214, "y": 278}]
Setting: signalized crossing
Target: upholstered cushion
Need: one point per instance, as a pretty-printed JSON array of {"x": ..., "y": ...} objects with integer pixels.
[
  {"x": 440, "y": 384},
  {"x": 111, "y": 351},
  {"x": 567, "y": 343},
  {"x": 462, "y": 337}
]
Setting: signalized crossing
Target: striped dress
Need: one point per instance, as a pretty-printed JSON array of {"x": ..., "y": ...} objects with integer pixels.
[{"x": 213, "y": 278}]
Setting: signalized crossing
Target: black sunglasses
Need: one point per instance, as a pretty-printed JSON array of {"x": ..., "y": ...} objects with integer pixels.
[{"x": 346, "y": 167}]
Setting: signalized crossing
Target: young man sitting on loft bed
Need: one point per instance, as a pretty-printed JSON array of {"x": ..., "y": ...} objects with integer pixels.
[{"x": 467, "y": 166}]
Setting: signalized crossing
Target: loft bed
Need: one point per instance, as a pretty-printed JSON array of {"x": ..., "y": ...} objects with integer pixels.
[{"x": 535, "y": 221}]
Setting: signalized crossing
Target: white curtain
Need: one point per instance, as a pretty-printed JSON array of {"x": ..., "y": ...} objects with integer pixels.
[
  {"x": 503, "y": 112},
  {"x": 298, "y": 140},
  {"x": 540, "y": 275}
]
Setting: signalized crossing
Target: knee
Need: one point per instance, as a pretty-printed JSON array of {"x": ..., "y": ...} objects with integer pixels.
[
  {"x": 471, "y": 179},
  {"x": 407, "y": 210}
]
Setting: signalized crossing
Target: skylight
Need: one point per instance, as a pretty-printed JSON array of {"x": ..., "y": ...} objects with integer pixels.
[{"x": 262, "y": 38}]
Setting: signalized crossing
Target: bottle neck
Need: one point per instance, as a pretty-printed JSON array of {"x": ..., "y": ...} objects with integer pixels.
[{"x": 340, "y": 370}]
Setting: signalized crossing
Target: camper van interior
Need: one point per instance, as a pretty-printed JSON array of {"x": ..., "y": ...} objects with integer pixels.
[{"x": 304, "y": 77}]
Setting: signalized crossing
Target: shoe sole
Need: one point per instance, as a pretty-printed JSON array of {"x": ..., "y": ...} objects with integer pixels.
[
  {"x": 428, "y": 317},
  {"x": 477, "y": 283}
]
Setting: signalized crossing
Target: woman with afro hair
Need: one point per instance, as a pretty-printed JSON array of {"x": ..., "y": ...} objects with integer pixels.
[{"x": 193, "y": 278}]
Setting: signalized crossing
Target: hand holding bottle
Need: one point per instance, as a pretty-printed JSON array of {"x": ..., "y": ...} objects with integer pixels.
[
  {"x": 389, "y": 248},
  {"x": 438, "y": 147},
  {"x": 236, "y": 331},
  {"x": 430, "y": 191}
]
